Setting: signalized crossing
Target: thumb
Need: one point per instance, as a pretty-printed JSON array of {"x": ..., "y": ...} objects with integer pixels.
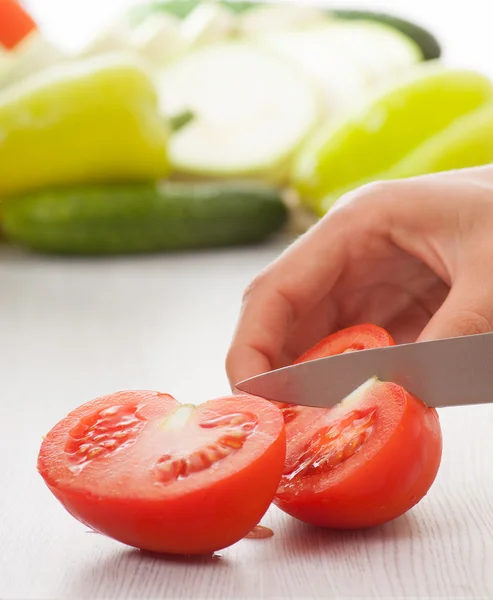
[{"x": 468, "y": 310}]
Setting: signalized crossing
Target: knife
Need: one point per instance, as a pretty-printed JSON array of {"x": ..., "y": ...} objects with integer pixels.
[{"x": 446, "y": 372}]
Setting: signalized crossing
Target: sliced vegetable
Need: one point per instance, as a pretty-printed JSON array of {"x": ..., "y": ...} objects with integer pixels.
[
  {"x": 15, "y": 23},
  {"x": 274, "y": 17},
  {"x": 32, "y": 54},
  {"x": 158, "y": 38},
  {"x": 315, "y": 53},
  {"x": 207, "y": 23},
  {"x": 143, "y": 469},
  {"x": 430, "y": 47},
  {"x": 182, "y": 8},
  {"x": 251, "y": 110},
  {"x": 366, "y": 144},
  {"x": 366, "y": 461},
  {"x": 277, "y": 15},
  {"x": 381, "y": 51},
  {"x": 344, "y": 60},
  {"x": 118, "y": 218},
  {"x": 94, "y": 120}
]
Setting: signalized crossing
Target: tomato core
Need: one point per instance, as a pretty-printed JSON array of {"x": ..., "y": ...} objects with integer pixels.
[{"x": 236, "y": 429}]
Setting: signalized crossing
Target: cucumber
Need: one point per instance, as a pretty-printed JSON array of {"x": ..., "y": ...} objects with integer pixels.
[
  {"x": 252, "y": 110},
  {"x": 274, "y": 17},
  {"x": 334, "y": 72},
  {"x": 430, "y": 47},
  {"x": 137, "y": 218}
]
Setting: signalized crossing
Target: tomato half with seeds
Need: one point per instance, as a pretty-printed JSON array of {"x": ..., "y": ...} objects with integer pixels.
[
  {"x": 166, "y": 477},
  {"x": 364, "y": 462}
]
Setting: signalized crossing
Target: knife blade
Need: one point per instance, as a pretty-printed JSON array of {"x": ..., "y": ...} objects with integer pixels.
[{"x": 446, "y": 372}]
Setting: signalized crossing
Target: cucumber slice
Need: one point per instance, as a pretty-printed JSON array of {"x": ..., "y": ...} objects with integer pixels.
[
  {"x": 209, "y": 22},
  {"x": 182, "y": 8},
  {"x": 270, "y": 18},
  {"x": 34, "y": 53},
  {"x": 346, "y": 59},
  {"x": 251, "y": 109},
  {"x": 430, "y": 47},
  {"x": 158, "y": 37},
  {"x": 317, "y": 53},
  {"x": 379, "y": 49}
]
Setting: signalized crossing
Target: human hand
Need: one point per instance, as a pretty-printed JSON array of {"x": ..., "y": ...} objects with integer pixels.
[{"x": 414, "y": 256}]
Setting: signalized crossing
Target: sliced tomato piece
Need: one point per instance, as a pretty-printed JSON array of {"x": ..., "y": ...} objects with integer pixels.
[
  {"x": 166, "y": 477},
  {"x": 364, "y": 462},
  {"x": 350, "y": 339},
  {"x": 15, "y": 23}
]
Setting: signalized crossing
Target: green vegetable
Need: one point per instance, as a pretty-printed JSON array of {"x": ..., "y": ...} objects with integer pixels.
[
  {"x": 428, "y": 43},
  {"x": 134, "y": 218},
  {"x": 92, "y": 120},
  {"x": 466, "y": 142},
  {"x": 368, "y": 143}
]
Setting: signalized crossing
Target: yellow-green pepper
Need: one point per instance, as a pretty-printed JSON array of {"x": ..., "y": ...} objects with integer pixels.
[
  {"x": 373, "y": 142},
  {"x": 88, "y": 121}
]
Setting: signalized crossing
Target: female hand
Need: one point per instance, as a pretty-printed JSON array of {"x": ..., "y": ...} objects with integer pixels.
[{"x": 414, "y": 256}]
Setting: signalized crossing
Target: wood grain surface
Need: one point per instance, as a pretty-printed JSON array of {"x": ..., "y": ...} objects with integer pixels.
[{"x": 71, "y": 330}]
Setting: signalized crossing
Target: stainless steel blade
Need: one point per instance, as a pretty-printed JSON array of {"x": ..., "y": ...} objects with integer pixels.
[{"x": 447, "y": 372}]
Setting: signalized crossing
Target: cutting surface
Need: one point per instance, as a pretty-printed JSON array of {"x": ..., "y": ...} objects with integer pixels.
[{"x": 72, "y": 330}]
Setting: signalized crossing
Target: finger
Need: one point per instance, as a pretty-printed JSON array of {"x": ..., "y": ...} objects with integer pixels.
[
  {"x": 468, "y": 310},
  {"x": 289, "y": 288}
]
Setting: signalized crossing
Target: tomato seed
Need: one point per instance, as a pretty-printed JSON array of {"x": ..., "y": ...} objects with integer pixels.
[
  {"x": 237, "y": 428},
  {"x": 333, "y": 445},
  {"x": 100, "y": 433}
]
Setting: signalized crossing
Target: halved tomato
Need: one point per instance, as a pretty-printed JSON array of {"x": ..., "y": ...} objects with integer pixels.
[
  {"x": 351, "y": 339},
  {"x": 143, "y": 469},
  {"x": 366, "y": 461}
]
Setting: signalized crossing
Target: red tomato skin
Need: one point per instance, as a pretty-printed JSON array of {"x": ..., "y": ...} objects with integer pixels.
[
  {"x": 200, "y": 522},
  {"x": 364, "y": 336},
  {"x": 357, "y": 337},
  {"x": 385, "y": 487}
]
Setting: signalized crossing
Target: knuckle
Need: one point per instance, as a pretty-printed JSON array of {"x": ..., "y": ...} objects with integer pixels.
[
  {"x": 255, "y": 284},
  {"x": 471, "y": 322},
  {"x": 369, "y": 194}
]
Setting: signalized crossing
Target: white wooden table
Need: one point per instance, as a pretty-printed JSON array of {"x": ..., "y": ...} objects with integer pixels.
[{"x": 71, "y": 330}]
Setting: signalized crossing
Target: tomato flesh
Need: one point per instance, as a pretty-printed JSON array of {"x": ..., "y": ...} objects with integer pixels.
[
  {"x": 351, "y": 339},
  {"x": 161, "y": 476},
  {"x": 364, "y": 462}
]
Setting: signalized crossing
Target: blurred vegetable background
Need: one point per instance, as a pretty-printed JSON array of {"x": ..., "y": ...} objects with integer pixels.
[{"x": 200, "y": 123}]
